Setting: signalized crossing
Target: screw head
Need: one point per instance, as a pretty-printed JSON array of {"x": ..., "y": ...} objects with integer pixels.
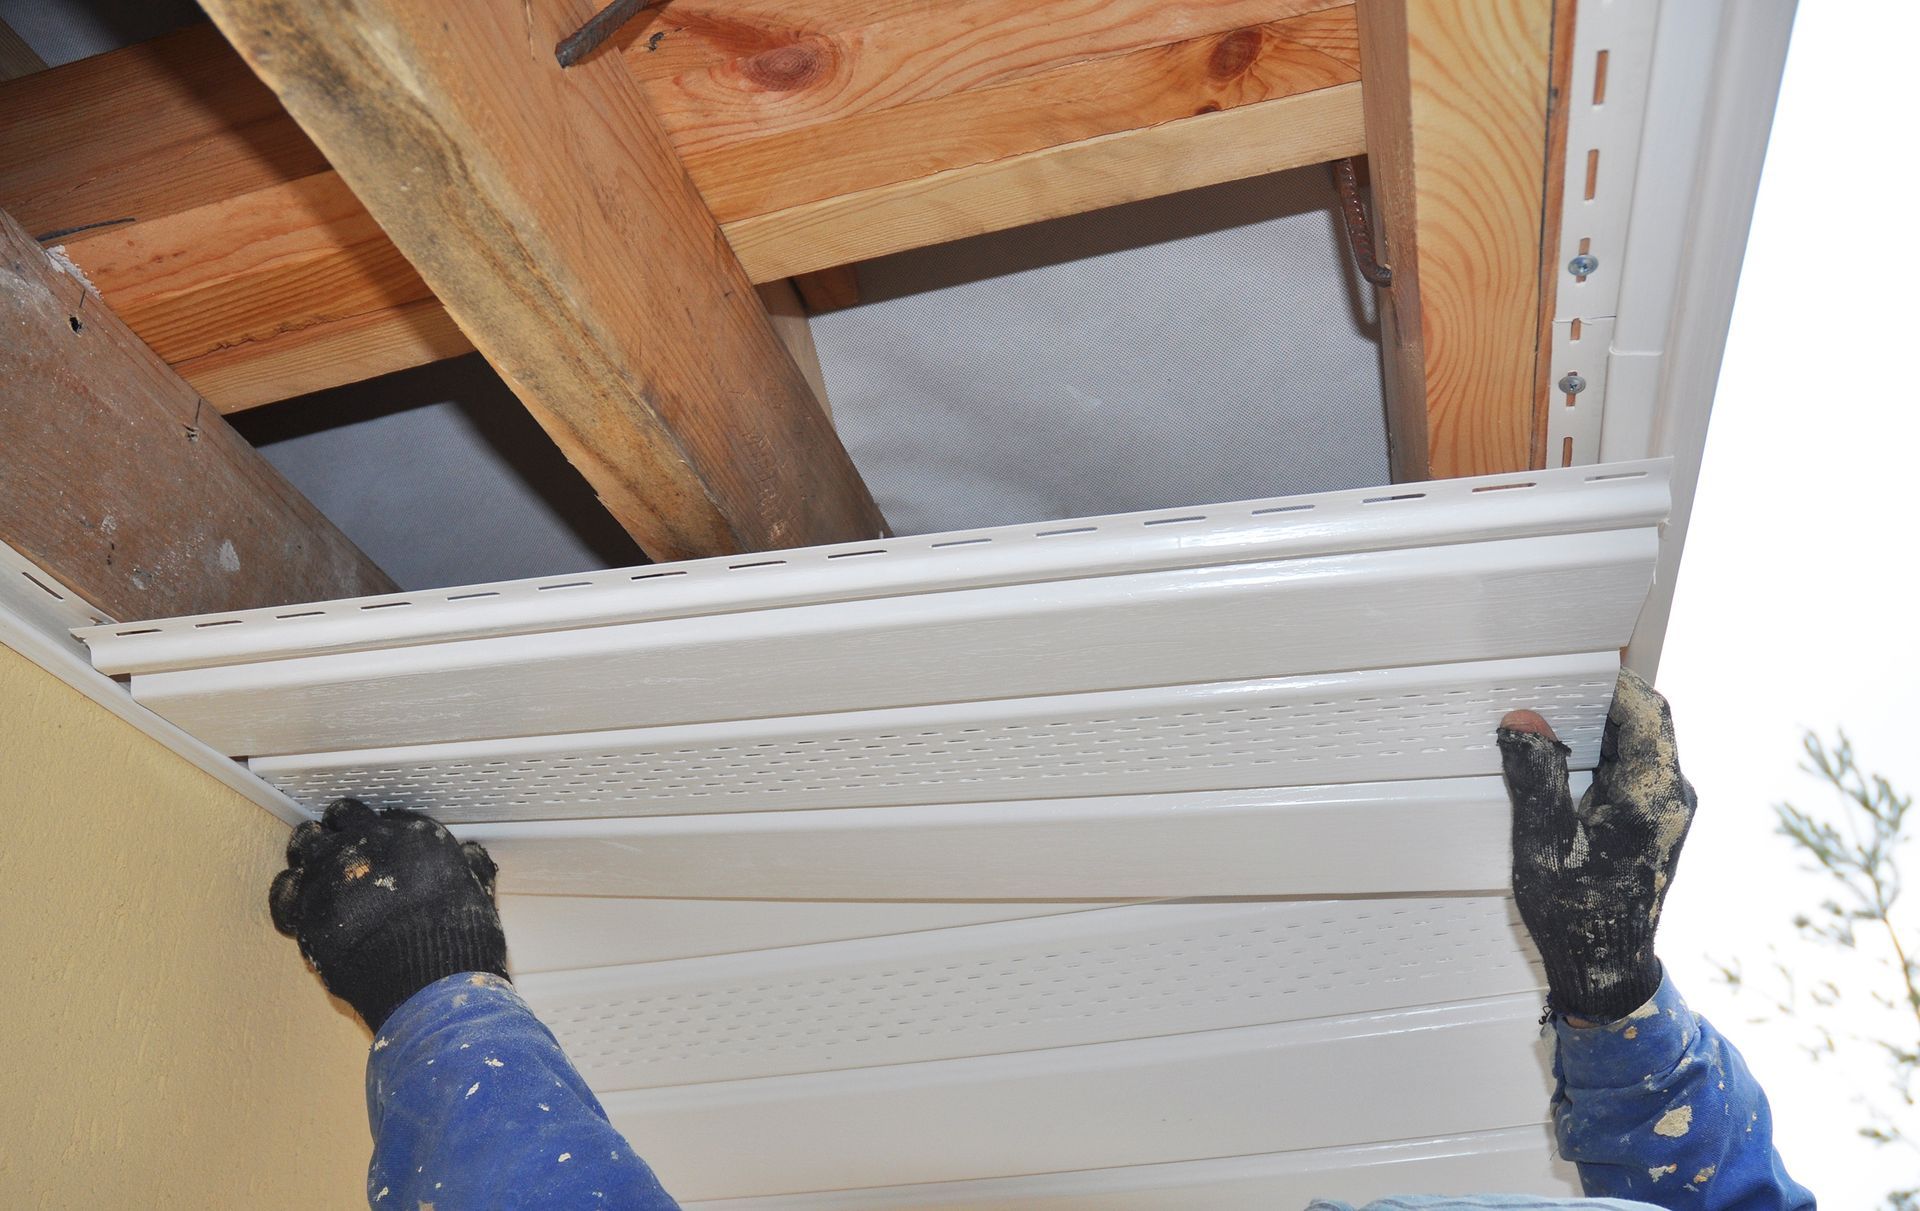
[
  {"x": 1583, "y": 265},
  {"x": 1573, "y": 384}
]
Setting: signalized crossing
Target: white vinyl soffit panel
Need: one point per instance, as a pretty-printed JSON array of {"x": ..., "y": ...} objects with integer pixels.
[{"x": 1045, "y": 864}]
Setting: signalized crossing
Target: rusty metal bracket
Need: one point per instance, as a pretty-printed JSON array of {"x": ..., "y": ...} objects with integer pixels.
[{"x": 1359, "y": 232}]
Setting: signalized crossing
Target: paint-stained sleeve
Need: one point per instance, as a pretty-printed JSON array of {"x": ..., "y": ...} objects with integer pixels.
[
  {"x": 473, "y": 1104},
  {"x": 1660, "y": 1107}
]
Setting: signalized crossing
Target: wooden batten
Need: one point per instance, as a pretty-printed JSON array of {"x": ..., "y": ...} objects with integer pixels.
[{"x": 1459, "y": 144}]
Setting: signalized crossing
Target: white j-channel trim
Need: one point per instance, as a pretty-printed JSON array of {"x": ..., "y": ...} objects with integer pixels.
[
  {"x": 1317, "y": 1084},
  {"x": 1514, "y": 1160},
  {"x": 1093, "y": 977},
  {"x": 1472, "y": 601},
  {"x": 37, "y": 614},
  {"x": 554, "y": 933},
  {"x": 1427, "y": 514},
  {"x": 1425, "y": 721},
  {"x": 1380, "y": 839}
]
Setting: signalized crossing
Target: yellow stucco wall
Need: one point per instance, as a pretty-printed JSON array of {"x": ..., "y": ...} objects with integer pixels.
[{"x": 163, "y": 1047}]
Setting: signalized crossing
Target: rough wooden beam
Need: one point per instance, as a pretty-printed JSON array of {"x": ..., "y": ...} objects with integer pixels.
[
  {"x": 121, "y": 481},
  {"x": 235, "y": 251},
  {"x": 549, "y": 213},
  {"x": 1457, "y": 115}
]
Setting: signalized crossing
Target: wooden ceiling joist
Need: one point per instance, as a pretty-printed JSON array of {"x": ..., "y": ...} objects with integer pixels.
[
  {"x": 819, "y": 132},
  {"x": 547, "y": 211},
  {"x": 1460, "y": 146},
  {"x": 120, "y": 481}
]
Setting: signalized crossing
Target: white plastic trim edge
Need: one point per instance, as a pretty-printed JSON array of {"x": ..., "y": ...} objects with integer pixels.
[
  {"x": 1367, "y": 519},
  {"x": 1450, "y": 835},
  {"x": 1517, "y": 1160},
  {"x": 37, "y": 616},
  {"x": 1135, "y": 972},
  {"x": 1214, "y": 1094}
]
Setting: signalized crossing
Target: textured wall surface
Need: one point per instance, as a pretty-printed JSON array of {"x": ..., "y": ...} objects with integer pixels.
[{"x": 164, "y": 1048}]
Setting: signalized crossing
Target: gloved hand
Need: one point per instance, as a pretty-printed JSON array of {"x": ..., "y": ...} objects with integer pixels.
[
  {"x": 385, "y": 903},
  {"x": 1590, "y": 880}
]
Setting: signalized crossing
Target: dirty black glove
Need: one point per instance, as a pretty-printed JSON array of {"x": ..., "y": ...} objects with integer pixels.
[
  {"x": 1590, "y": 880},
  {"x": 385, "y": 903}
]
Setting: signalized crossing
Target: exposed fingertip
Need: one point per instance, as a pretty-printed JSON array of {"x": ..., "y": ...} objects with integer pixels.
[{"x": 1530, "y": 723}]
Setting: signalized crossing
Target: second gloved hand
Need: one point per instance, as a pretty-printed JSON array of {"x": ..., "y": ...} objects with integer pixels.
[
  {"x": 1590, "y": 878},
  {"x": 385, "y": 903}
]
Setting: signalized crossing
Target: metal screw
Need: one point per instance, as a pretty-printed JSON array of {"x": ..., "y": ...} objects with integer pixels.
[
  {"x": 1583, "y": 265},
  {"x": 1573, "y": 384}
]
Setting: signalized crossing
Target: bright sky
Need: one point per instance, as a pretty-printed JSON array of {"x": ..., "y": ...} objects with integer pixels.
[{"x": 1797, "y": 602}]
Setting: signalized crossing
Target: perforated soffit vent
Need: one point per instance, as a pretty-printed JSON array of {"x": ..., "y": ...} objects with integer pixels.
[{"x": 1019, "y": 777}]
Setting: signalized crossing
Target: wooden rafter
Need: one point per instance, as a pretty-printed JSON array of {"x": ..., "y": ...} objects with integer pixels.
[
  {"x": 861, "y": 127},
  {"x": 550, "y": 215},
  {"x": 122, "y": 482},
  {"x": 1459, "y": 144}
]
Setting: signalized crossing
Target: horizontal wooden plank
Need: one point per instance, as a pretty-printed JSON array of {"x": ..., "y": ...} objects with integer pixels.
[
  {"x": 310, "y": 297},
  {"x": 1114, "y": 974},
  {"x": 1213, "y": 1094},
  {"x": 1288, "y": 618},
  {"x": 1450, "y": 836},
  {"x": 1516, "y": 1160},
  {"x": 893, "y": 60},
  {"x": 141, "y": 133},
  {"x": 1082, "y": 99},
  {"x": 1127, "y": 166}
]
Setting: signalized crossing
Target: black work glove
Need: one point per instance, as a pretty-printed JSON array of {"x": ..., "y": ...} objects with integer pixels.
[
  {"x": 385, "y": 903},
  {"x": 1590, "y": 880}
]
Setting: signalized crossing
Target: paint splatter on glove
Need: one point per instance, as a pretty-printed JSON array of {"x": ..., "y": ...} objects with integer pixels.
[
  {"x": 385, "y": 903},
  {"x": 1590, "y": 879}
]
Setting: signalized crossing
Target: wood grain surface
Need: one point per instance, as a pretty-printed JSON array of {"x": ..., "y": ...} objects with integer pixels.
[
  {"x": 180, "y": 127},
  {"x": 1457, "y": 100},
  {"x": 122, "y": 482},
  {"x": 549, "y": 213}
]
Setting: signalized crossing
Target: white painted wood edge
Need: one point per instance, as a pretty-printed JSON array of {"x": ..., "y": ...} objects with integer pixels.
[
  {"x": 1511, "y": 1160},
  {"x": 40, "y": 631},
  {"x": 1437, "y": 513},
  {"x": 1330, "y": 1082}
]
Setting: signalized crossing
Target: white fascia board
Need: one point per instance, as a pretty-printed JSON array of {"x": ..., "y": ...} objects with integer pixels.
[
  {"x": 1410, "y": 606},
  {"x": 38, "y": 615},
  {"x": 1513, "y": 1160},
  {"x": 1217, "y": 1093},
  {"x": 1377, "y": 839},
  {"x": 1428, "y": 514},
  {"x": 1068, "y": 980}
]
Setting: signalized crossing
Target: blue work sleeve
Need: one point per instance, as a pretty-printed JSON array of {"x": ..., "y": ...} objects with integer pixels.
[
  {"x": 1660, "y": 1107},
  {"x": 473, "y": 1104}
]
